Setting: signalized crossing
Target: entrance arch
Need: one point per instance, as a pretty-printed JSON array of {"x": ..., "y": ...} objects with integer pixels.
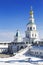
[{"x": 21, "y": 47}]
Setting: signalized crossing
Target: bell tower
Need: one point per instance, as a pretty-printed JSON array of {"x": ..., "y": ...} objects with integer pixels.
[{"x": 31, "y": 32}]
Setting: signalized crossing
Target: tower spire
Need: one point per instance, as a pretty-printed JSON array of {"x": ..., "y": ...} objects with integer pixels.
[
  {"x": 31, "y": 16},
  {"x": 31, "y": 7},
  {"x": 31, "y": 12}
]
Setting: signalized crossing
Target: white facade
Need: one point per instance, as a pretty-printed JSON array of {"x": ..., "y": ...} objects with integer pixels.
[{"x": 31, "y": 32}]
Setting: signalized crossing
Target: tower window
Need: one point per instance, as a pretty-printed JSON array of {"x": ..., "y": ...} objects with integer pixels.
[
  {"x": 32, "y": 35},
  {"x": 30, "y": 28},
  {"x": 34, "y": 28},
  {"x": 35, "y": 35},
  {"x": 26, "y": 42},
  {"x": 40, "y": 53}
]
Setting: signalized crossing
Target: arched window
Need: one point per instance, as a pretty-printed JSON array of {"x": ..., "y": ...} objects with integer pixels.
[
  {"x": 32, "y": 35},
  {"x": 17, "y": 48},
  {"x": 30, "y": 28},
  {"x": 21, "y": 47},
  {"x": 33, "y": 28},
  {"x": 35, "y": 35}
]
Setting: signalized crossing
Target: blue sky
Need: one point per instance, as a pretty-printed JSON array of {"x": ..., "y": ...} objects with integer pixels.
[{"x": 14, "y": 14}]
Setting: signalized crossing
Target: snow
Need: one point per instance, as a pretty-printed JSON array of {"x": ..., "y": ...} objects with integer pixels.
[
  {"x": 3, "y": 46},
  {"x": 21, "y": 59}
]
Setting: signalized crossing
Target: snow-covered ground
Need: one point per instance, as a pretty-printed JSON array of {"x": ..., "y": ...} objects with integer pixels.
[{"x": 21, "y": 59}]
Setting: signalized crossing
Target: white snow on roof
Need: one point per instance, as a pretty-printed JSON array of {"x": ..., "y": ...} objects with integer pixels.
[
  {"x": 37, "y": 47},
  {"x": 5, "y": 41},
  {"x": 3, "y": 46}
]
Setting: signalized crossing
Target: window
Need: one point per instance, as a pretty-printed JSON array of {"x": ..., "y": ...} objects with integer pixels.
[
  {"x": 30, "y": 28},
  {"x": 35, "y": 35},
  {"x": 33, "y": 28},
  {"x": 26, "y": 42},
  {"x": 32, "y": 35},
  {"x": 4, "y": 43},
  {"x": 40, "y": 53}
]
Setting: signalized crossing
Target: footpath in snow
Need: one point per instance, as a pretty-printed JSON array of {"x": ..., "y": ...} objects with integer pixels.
[{"x": 21, "y": 59}]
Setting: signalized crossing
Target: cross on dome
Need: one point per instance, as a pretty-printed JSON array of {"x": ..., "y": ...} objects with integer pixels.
[
  {"x": 31, "y": 11},
  {"x": 31, "y": 7}
]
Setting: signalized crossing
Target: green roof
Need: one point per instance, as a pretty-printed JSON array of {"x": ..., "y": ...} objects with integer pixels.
[{"x": 30, "y": 23}]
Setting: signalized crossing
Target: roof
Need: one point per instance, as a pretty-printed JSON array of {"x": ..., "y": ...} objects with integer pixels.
[
  {"x": 37, "y": 47},
  {"x": 31, "y": 23},
  {"x": 18, "y": 33}
]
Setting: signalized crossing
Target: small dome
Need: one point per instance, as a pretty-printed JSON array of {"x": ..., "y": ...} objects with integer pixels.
[
  {"x": 31, "y": 12},
  {"x": 17, "y": 37},
  {"x": 18, "y": 33}
]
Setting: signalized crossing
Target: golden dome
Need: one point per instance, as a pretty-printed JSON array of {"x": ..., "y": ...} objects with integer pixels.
[{"x": 31, "y": 12}]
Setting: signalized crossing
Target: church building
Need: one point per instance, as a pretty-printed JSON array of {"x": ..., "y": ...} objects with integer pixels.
[
  {"x": 31, "y": 39},
  {"x": 31, "y": 32}
]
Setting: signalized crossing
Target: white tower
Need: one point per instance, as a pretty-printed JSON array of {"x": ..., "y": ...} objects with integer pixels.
[{"x": 31, "y": 32}]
